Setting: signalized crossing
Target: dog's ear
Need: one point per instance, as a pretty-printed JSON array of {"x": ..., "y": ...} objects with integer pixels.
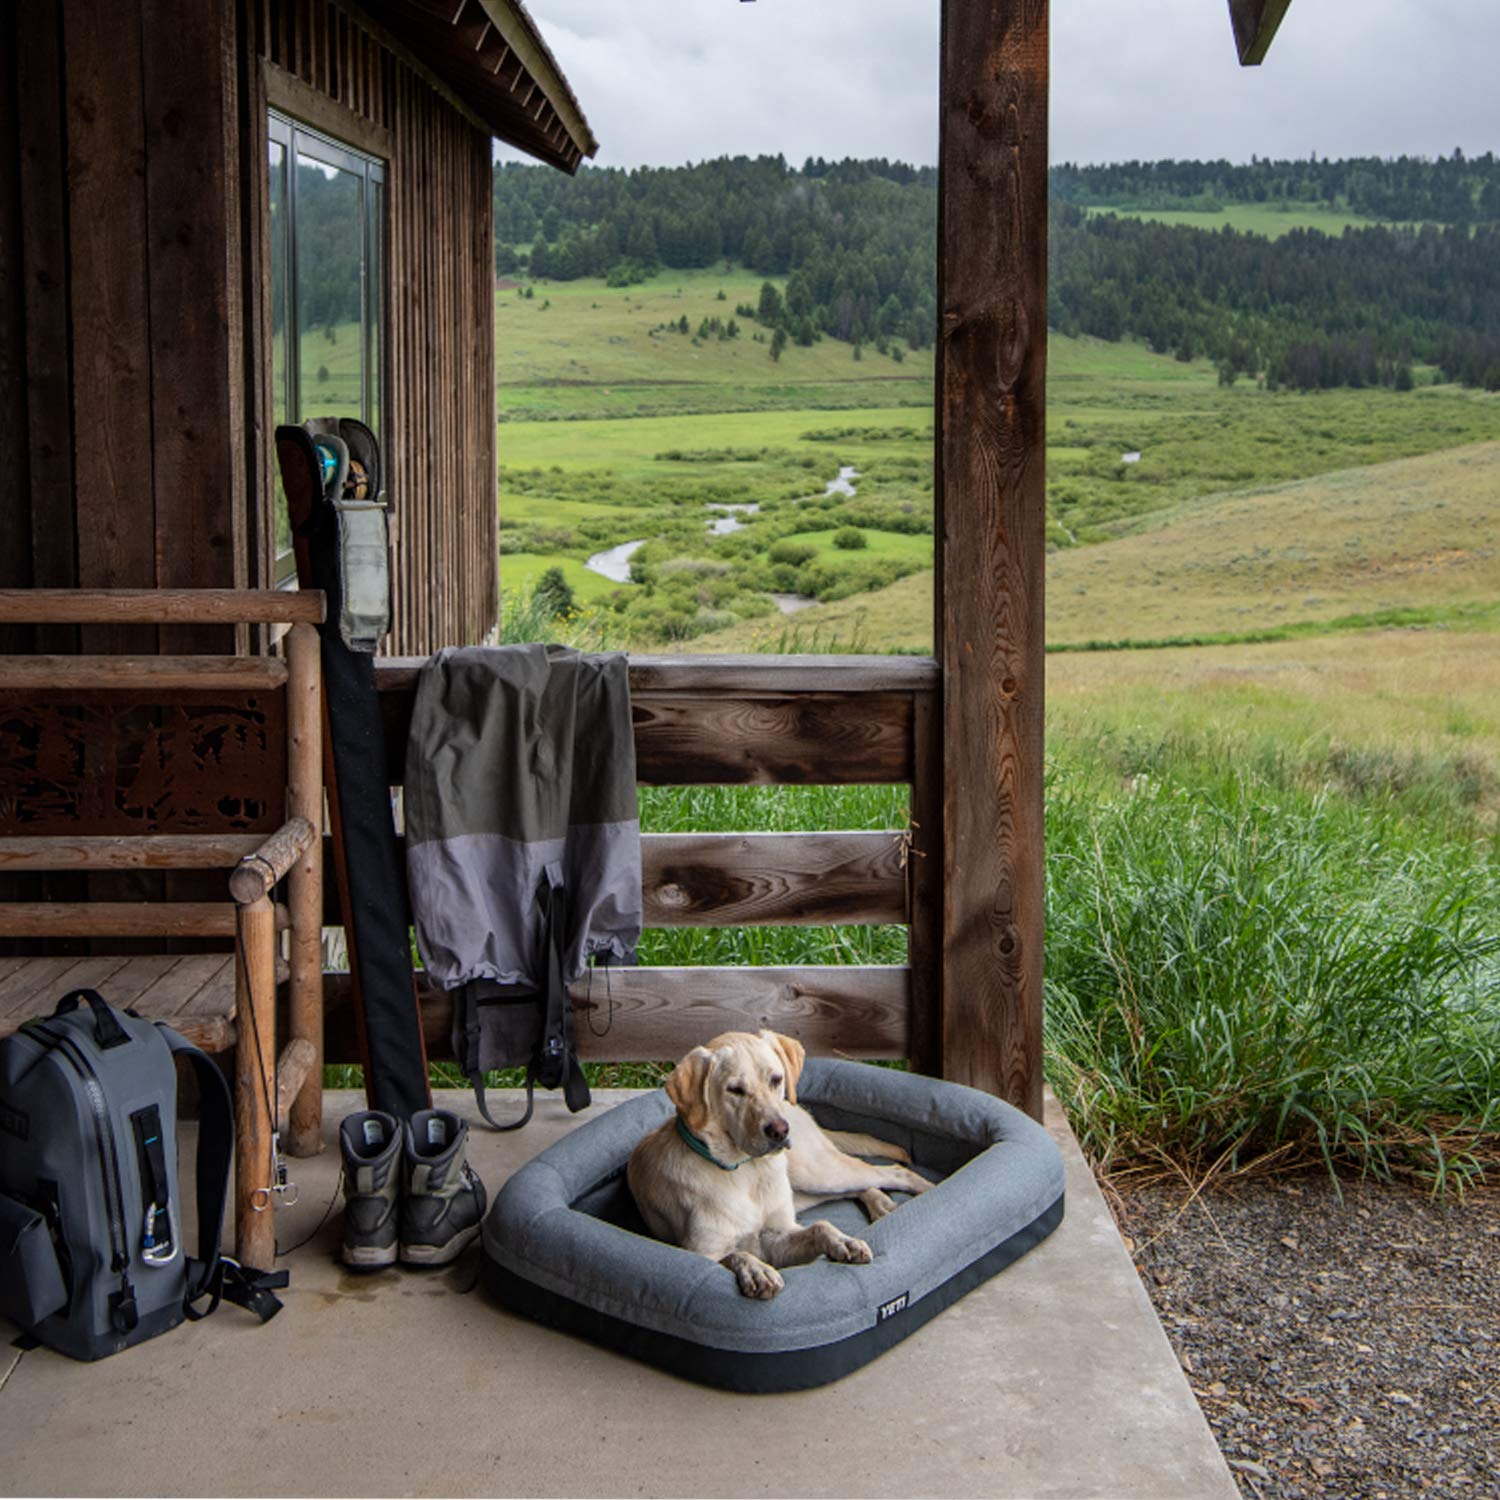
[
  {"x": 793, "y": 1055},
  {"x": 687, "y": 1087}
]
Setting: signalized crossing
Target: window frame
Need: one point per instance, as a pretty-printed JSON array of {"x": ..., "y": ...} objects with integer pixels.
[{"x": 296, "y": 138}]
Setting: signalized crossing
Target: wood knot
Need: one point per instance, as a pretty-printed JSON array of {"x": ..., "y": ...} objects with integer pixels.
[
  {"x": 672, "y": 895},
  {"x": 1009, "y": 687}
]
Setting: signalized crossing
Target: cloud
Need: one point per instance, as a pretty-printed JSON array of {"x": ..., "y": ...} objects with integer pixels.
[{"x": 668, "y": 81}]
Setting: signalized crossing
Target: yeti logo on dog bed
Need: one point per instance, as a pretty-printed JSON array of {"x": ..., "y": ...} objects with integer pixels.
[{"x": 891, "y": 1308}]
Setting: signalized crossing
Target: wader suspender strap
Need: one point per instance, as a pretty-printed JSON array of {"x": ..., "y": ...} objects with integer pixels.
[
  {"x": 558, "y": 1064},
  {"x": 476, "y": 1078},
  {"x": 556, "y": 1061}
]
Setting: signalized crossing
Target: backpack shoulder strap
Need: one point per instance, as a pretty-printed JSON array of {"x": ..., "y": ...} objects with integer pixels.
[{"x": 214, "y": 1275}]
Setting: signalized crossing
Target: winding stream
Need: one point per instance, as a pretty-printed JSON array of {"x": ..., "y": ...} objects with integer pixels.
[{"x": 615, "y": 563}]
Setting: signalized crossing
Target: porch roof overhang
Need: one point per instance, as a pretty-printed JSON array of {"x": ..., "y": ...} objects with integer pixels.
[
  {"x": 1255, "y": 23},
  {"x": 490, "y": 54}
]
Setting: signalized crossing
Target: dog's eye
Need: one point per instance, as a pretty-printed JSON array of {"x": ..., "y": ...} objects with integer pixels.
[
  {"x": 735, "y": 1088},
  {"x": 775, "y": 1080}
]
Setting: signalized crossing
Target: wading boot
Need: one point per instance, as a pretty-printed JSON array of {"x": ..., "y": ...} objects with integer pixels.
[
  {"x": 371, "y": 1144},
  {"x": 444, "y": 1199}
]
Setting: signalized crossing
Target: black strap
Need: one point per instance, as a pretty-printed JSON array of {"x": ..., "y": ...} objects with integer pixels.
[
  {"x": 557, "y": 1064},
  {"x": 107, "y": 1029},
  {"x": 211, "y": 1274},
  {"x": 242, "y": 1285},
  {"x": 477, "y": 1080}
]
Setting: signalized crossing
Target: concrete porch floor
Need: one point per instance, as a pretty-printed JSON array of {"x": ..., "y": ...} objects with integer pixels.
[{"x": 1054, "y": 1379}]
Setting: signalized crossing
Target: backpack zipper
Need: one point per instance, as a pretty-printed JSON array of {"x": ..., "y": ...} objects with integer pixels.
[{"x": 109, "y": 1162}]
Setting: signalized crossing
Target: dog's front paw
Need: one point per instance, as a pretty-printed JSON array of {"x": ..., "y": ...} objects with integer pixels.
[
  {"x": 755, "y": 1277},
  {"x": 854, "y": 1252}
]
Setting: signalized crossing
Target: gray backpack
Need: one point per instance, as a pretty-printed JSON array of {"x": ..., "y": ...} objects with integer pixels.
[{"x": 91, "y": 1252}]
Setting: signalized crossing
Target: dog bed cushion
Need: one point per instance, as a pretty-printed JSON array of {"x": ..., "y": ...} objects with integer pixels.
[{"x": 565, "y": 1244}]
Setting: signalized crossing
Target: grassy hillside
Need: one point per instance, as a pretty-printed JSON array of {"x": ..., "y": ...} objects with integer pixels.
[
  {"x": 580, "y": 349},
  {"x": 639, "y": 443},
  {"x": 1420, "y": 533}
]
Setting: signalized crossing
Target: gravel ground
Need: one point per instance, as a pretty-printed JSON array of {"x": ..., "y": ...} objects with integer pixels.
[{"x": 1338, "y": 1349}]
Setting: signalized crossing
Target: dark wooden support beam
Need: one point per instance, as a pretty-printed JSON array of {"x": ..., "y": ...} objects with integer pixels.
[
  {"x": 990, "y": 503},
  {"x": 1255, "y": 23}
]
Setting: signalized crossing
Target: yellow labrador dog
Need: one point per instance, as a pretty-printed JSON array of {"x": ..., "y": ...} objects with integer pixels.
[{"x": 726, "y": 1177}]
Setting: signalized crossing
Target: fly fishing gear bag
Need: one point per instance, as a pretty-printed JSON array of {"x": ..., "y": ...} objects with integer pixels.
[{"x": 92, "y": 1258}]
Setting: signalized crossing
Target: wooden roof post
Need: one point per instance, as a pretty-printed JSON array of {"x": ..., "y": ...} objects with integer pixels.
[{"x": 990, "y": 501}]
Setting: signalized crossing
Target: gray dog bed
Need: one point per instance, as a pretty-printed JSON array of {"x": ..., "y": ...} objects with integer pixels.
[{"x": 564, "y": 1243}]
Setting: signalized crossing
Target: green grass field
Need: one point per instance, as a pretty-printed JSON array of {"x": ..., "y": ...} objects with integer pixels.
[
  {"x": 1270, "y": 219},
  {"x": 520, "y": 571}
]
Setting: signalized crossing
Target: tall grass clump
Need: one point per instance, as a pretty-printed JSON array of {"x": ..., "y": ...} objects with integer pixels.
[{"x": 1243, "y": 975}]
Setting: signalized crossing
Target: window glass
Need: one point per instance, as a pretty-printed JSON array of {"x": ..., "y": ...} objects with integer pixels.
[
  {"x": 330, "y": 289},
  {"x": 327, "y": 207}
]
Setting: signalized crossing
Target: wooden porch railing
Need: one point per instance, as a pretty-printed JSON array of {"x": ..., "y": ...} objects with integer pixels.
[{"x": 756, "y": 720}]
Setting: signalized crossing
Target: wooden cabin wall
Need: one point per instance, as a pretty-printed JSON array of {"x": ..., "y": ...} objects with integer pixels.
[
  {"x": 134, "y": 335},
  {"x": 120, "y": 322},
  {"x": 440, "y": 347}
]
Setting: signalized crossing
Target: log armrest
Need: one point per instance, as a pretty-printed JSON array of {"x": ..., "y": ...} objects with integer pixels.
[{"x": 257, "y": 873}]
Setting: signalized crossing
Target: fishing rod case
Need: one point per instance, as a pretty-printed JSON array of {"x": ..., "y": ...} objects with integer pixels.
[
  {"x": 331, "y": 472},
  {"x": 564, "y": 1243}
]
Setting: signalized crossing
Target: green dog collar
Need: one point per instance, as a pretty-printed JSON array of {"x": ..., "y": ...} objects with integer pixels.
[{"x": 703, "y": 1150}]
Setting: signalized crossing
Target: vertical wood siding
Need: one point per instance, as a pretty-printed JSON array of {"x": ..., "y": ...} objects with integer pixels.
[
  {"x": 134, "y": 337},
  {"x": 438, "y": 332}
]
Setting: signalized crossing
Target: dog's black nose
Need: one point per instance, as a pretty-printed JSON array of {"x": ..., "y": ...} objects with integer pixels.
[{"x": 776, "y": 1129}]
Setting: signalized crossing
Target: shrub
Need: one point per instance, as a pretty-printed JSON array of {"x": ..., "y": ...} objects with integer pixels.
[
  {"x": 850, "y": 538},
  {"x": 555, "y": 594},
  {"x": 793, "y": 554}
]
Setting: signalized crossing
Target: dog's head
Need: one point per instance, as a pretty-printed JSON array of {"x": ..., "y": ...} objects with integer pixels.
[{"x": 732, "y": 1093}]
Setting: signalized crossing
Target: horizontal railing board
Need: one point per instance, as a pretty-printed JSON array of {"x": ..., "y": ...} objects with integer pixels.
[
  {"x": 164, "y": 919},
  {"x": 757, "y": 879},
  {"x": 738, "y": 675},
  {"x": 145, "y": 674},
  {"x": 812, "y": 740},
  {"x": 758, "y": 720},
  {"x": 773, "y": 879},
  {"x": 658, "y": 1014},
  {"x": 160, "y": 606},
  {"x": 151, "y": 851}
]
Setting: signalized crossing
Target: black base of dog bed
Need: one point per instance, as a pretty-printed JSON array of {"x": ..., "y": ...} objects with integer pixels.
[{"x": 753, "y": 1373}]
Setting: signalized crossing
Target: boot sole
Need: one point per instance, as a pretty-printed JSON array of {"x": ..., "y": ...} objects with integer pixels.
[
  {"x": 368, "y": 1257},
  {"x": 440, "y": 1255}
]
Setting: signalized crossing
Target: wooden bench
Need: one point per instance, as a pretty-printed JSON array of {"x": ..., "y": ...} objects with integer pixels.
[{"x": 116, "y": 769}]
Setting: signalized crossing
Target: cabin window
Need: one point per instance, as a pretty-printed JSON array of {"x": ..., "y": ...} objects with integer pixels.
[{"x": 327, "y": 213}]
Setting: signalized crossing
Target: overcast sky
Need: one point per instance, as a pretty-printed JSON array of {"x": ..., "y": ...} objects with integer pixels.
[{"x": 669, "y": 81}]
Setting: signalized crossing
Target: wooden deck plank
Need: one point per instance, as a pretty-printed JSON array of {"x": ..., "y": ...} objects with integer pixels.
[
  {"x": 137, "y": 977},
  {"x": 24, "y": 982},
  {"x": 41, "y": 989},
  {"x": 214, "y": 995}
]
